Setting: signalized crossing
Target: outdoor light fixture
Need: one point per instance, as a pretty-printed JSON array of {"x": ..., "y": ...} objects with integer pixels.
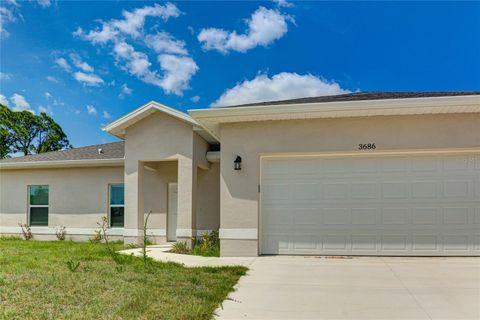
[{"x": 237, "y": 164}]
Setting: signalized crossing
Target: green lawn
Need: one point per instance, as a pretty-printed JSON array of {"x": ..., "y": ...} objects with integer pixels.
[{"x": 35, "y": 283}]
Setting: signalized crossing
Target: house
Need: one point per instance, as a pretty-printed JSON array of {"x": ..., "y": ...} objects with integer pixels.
[{"x": 393, "y": 173}]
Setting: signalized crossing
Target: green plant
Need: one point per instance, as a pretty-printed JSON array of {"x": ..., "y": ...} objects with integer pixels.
[
  {"x": 26, "y": 231},
  {"x": 181, "y": 247},
  {"x": 103, "y": 231},
  {"x": 61, "y": 233},
  {"x": 73, "y": 265},
  {"x": 97, "y": 237},
  {"x": 209, "y": 240},
  {"x": 145, "y": 239}
]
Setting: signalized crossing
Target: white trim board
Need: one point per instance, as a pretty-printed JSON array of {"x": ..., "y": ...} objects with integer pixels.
[{"x": 83, "y": 231}]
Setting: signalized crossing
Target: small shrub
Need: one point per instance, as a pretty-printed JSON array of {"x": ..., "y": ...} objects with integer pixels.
[
  {"x": 61, "y": 233},
  {"x": 73, "y": 265},
  {"x": 26, "y": 231},
  {"x": 181, "y": 247}
]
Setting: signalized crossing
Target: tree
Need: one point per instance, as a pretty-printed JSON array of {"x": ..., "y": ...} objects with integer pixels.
[{"x": 25, "y": 132}]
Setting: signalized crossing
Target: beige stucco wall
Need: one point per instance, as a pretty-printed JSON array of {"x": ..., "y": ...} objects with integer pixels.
[
  {"x": 156, "y": 180},
  {"x": 208, "y": 202},
  {"x": 160, "y": 137},
  {"x": 238, "y": 189},
  {"x": 78, "y": 197}
]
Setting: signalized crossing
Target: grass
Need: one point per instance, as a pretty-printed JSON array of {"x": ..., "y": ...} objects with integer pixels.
[{"x": 36, "y": 283}]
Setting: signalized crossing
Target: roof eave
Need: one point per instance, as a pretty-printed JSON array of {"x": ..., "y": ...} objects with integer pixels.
[
  {"x": 117, "y": 127},
  {"x": 62, "y": 164},
  {"x": 213, "y": 117}
]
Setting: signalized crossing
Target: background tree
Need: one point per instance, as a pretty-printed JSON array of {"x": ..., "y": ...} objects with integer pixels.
[{"x": 25, "y": 132}]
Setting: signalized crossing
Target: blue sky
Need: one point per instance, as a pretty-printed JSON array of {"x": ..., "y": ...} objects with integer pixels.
[{"x": 88, "y": 63}]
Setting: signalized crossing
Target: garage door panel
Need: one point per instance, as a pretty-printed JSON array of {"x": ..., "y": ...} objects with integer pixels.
[
  {"x": 425, "y": 216},
  {"x": 364, "y": 216},
  {"x": 395, "y": 190},
  {"x": 456, "y": 188},
  {"x": 395, "y": 216},
  {"x": 390, "y": 205}
]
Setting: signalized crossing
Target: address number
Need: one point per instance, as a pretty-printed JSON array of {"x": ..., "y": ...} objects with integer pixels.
[{"x": 367, "y": 146}]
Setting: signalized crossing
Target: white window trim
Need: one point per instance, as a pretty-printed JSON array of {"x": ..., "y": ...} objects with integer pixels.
[
  {"x": 109, "y": 214},
  {"x": 37, "y": 205}
]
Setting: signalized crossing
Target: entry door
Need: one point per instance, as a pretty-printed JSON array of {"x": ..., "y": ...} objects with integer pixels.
[
  {"x": 172, "y": 212},
  {"x": 403, "y": 205}
]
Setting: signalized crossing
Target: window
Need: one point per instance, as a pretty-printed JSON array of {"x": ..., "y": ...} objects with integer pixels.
[
  {"x": 117, "y": 193},
  {"x": 38, "y": 205}
]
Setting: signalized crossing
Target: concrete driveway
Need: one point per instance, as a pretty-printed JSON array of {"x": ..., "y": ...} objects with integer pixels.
[{"x": 357, "y": 288}]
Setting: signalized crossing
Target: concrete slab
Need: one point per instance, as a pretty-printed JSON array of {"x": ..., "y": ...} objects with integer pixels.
[{"x": 288, "y": 287}]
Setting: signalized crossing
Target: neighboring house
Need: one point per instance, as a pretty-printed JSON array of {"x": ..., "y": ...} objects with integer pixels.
[{"x": 355, "y": 174}]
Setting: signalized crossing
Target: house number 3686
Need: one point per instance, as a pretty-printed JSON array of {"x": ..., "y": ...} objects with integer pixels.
[{"x": 367, "y": 146}]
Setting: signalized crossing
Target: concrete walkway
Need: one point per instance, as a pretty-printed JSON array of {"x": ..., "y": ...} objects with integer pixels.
[
  {"x": 358, "y": 288},
  {"x": 160, "y": 253}
]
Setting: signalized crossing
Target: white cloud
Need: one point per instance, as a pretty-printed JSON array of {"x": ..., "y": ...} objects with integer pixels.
[
  {"x": 134, "y": 62},
  {"x": 4, "y": 76},
  {"x": 52, "y": 79},
  {"x": 125, "y": 91},
  {"x": 163, "y": 42},
  {"x": 177, "y": 72},
  {"x": 48, "y": 95},
  {"x": 131, "y": 25},
  {"x": 105, "y": 34},
  {"x": 91, "y": 110},
  {"x": 7, "y": 15},
  {"x": 20, "y": 103},
  {"x": 44, "y": 3},
  {"x": 283, "y": 3},
  {"x": 106, "y": 115},
  {"x": 176, "y": 68},
  {"x": 281, "y": 86},
  {"x": 77, "y": 111},
  {"x": 264, "y": 27},
  {"x": 195, "y": 99},
  {"x": 133, "y": 21},
  {"x": 62, "y": 63},
  {"x": 3, "y": 100},
  {"x": 88, "y": 79},
  {"x": 77, "y": 62}
]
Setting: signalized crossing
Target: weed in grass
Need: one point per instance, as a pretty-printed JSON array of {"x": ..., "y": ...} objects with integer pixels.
[
  {"x": 97, "y": 237},
  {"x": 145, "y": 240},
  {"x": 26, "y": 231},
  {"x": 73, "y": 265},
  {"x": 61, "y": 233}
]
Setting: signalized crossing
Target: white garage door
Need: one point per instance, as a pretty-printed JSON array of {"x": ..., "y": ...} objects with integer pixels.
[{"x": 364, "y": 205}]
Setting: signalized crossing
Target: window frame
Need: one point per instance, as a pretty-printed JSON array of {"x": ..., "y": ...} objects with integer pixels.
[
  {"x": 29, "y": 218},
  {"x": 115, "y": 205}
]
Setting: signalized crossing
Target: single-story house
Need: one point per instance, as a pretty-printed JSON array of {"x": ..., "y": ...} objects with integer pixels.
[{"x": 392, "y": 173}]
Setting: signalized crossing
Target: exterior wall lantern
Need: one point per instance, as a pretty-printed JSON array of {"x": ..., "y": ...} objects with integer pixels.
[{"x": 237, "y": 164}]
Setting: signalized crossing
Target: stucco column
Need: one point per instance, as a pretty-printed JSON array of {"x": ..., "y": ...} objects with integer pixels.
[
  {"x": 134, "y": 202},
  {"x": 187, "y": 182}
]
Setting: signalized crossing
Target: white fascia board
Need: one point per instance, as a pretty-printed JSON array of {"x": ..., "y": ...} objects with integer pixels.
[
  {"x": 118, "y": 126},
  {"x": 212, "y": 117},
  {"x": 62, "y": 164}
]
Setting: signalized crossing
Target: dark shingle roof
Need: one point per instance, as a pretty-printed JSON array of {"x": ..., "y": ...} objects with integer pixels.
[
  {"x": 113, "y": 150},
  {"x": 363, "y": 96}
]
